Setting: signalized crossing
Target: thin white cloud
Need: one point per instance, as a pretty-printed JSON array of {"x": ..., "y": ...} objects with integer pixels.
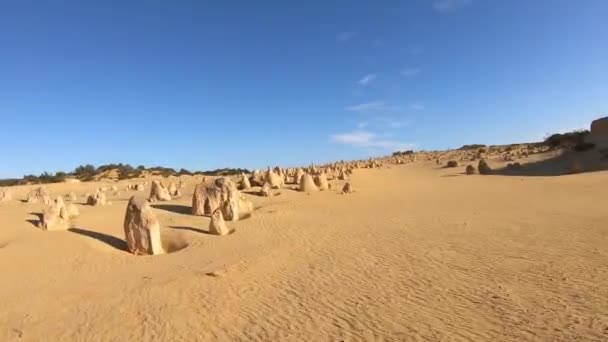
[
  {"x": 366, "y": 140},
  {"x": 395, "y": 123},
  {"x": 410, "y": 72},
  {"x": 375, "y": 106},
  {"x": 346, "y": 36},
  {"x": 367, "y": 79},
  {"x": 384, "y": 122},
  {"x": 450, "y": 5},
  {"x": 416, "y": 106},
  {"x": 353, "y": 138},
  {"x": 362, "y": 124}
]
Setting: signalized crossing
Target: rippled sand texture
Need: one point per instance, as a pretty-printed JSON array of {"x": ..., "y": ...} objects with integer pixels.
[{"x": 416, "y": 253}]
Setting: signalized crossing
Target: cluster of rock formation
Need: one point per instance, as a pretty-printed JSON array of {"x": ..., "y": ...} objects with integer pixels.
[
  {"x": 98, "y": 199},
  {"x": 56, "y": 215},
  {"x": 158, "y": 192},
  {"x": 39, "y": 194},
  {"x": 222, "y": 194}
]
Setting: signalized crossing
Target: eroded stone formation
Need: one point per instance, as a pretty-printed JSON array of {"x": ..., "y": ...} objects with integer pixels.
[
  {"x": 298, "y": 176},
  {"x": 257, "y": 178},
  {"x": 244, "y": 183},
  {"x": 72, "y": 210},
  {"x": 483, "y": 167},
  {"x": 599, "y": 127},
  {"x": 222, "y": 194},
  {"x": 342, "y": 175},
  {"x": 347, "y": 189},
  {"x": 142, "y": 228},
  {"x": 273, "y": 179},
  {"x": 307, "y": 184},
  {"x": 39, "y": 194},
  {"x": 470, "y": 170},
  {"x": 55, "y": 216},
  {"x": 174, "y": 191},
  {"x": 5, "y": 195},
  {"x": 321, "y": 181},
  {"x": 217, "y": 225},
  {"x": 71, "y": 197},
  {"x": 158, "y": 192},
  {"x": 98, "y": 199},
  {"x": 266, "y": 190}
]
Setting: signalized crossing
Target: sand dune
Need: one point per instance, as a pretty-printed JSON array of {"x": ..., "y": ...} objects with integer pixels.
[{"x": 418, "y": 252}]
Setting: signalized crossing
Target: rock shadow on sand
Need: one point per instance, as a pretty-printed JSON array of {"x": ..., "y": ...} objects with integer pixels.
[
  {"x": 113, "y": 241},
  {"x": 569, "y": 162},
  {"x": 191, "y": 229},
  {"x": 197, "y": 230},
  {"x": 174, "y": 208},
  {"x": 35, "y": 221},
  {"x": 258, "y": 194}
]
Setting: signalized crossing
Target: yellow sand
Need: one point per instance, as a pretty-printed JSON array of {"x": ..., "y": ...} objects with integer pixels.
[{"x": 416, "y": 253}]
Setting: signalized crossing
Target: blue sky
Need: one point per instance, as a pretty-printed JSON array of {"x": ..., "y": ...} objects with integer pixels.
[{"x": 209, "y": 84}]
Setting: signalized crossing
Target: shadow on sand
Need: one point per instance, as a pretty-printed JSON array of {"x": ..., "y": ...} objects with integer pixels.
[
  {"x": 454, "y": 175},
  {"x": 35, "y": 221},
  {"x": 105, "y": 238},
  {"x": 568, "y": 162},
  {"x": 174, "y": 208},
  {"x": 192, "y": 229},
  {"x": 257, "y": 193}
]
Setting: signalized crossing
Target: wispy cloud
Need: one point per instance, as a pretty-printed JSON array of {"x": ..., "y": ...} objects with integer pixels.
[
  {"x": 346, "y": 36},
  {"x": 367, "y": 79},
  {"x": 410, "y": 72},
  {"x": 390, "y": 122},
  {"x": 375, "y": 106},
  {"x": 362, "y": 124},
  {"x": 450, "y": 5},
  {"x": 366, "y": 139},
  {"x": 416, "y": 106}
]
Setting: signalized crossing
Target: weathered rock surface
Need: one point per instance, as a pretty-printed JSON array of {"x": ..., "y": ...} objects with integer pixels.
[
  {"x": 158, "y": 192},
  {"x": 5, "y": 195},
  {"x": 274, "y": 180},
  {"x": 470, "y": 170},
  {"x": 307, "y": 184},
  {"x": 142, "y": 228},
  {"x": 483, "y": 167},
  {"x": 220, "y": 194},
  {"x": 98, "y": 199},
  {"x": 266, "y": 190},
  {"x": 599, "y": 127},
  {"x": 244, "y": 184},
  {"x": 217, "y": 225},
  {"x": 321, "y": 181},
  {"x": 39, "y": 194},
  {"x": 347, "y": 189},
  {"x": 55, "y": 216}
]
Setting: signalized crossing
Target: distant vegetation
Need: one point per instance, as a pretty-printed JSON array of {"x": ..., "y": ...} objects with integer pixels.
[
  {"x": 472, "y": 147},
  {"x": 402, "y": 153},
  {"x": 571, "y": 140},
  {"x": 89, "y": 172}
]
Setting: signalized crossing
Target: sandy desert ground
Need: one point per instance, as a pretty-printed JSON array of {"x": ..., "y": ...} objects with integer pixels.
[{"x": 417, "y": 253}]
